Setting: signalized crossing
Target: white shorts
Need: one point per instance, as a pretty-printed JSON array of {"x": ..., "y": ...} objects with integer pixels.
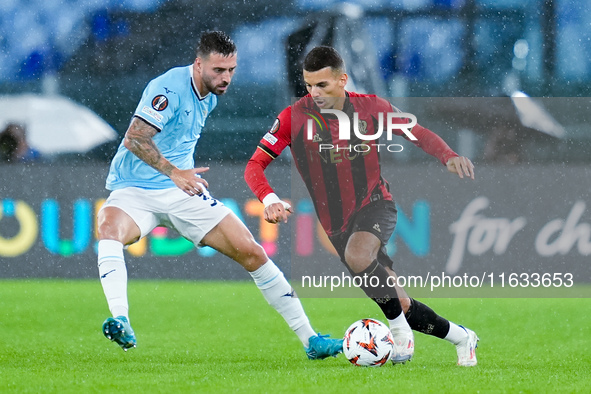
[{"x": 192, "y": 216}]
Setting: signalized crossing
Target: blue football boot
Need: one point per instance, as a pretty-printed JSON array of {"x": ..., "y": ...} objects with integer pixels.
[
  {"x": 118, "y": 329},
  {"x": 321, "y": 346}
]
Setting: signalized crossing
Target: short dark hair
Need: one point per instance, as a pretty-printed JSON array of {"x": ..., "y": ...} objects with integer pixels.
[
  {"x": 323, "y": 56},
  {"x": 215, "y": 42}
]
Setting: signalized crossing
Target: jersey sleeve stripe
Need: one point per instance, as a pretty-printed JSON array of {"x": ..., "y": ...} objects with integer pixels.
[
  {"x": 267, "y": 151},
  {"x": 148, "y": 122}
]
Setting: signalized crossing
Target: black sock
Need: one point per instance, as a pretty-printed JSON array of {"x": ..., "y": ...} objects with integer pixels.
[
  {"x": 423, "y": 319},
  {"x": 385, "y": 296}
]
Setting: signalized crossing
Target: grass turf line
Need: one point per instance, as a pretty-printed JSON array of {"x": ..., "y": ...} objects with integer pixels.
[{"x": 222, "y": 337}]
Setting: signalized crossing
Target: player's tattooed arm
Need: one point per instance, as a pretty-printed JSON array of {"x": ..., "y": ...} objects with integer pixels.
[{"x": 139, "y": 141}]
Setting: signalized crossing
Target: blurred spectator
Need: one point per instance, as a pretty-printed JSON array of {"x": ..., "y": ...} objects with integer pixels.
[
  {"x": 14, "y": 147},
  {"x": 503, "y": 146}
]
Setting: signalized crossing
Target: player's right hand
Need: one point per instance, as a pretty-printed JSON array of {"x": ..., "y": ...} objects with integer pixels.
[{"x": 189, "y": 181}]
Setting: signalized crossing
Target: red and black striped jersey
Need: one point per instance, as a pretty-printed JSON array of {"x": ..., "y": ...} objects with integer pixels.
[{"x": 341, "y": 175}]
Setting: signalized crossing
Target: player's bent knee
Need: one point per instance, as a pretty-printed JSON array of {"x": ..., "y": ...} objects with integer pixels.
[
  {"x": 405, "y": 304},
  {"x": 115, "y": 225},
  {"x": 107, "y": 230},
  {"x": 252, "y": 256},
  {"x": 357, "y": 262}
]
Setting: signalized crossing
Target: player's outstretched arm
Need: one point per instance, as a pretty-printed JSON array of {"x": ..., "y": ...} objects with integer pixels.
[
  {"x": 434, "y": 145},
  {"x": 461, "y": 165},
  {"x": 276, "y": 210},
  {"x": 139, "y": 141}
]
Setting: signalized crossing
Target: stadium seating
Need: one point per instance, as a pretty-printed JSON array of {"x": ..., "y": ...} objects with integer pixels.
[{"x": 40, "y": 35}]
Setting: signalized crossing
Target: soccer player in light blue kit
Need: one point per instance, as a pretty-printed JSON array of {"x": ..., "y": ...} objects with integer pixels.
[{"x": 153, "y": 182}]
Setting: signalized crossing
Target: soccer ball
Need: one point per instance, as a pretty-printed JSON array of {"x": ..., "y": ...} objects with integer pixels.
[{"x": 368, "y": 343}]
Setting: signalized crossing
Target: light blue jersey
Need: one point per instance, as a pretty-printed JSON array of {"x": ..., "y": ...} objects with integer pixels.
[{"x": 172, "y": 104}]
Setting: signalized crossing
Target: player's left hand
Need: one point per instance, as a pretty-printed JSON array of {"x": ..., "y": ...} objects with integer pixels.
[
  {"x": 461, "y": 165},
  {"x": 189, "y": 181},
  {"x": 278, "y": 212}
]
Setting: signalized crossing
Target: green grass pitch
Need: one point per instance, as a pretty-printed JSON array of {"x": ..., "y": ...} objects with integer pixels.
[{"x": 223, "y": 337}]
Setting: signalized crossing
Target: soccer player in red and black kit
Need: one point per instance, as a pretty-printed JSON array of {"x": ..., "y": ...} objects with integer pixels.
[{"x": 351, "y": 199}]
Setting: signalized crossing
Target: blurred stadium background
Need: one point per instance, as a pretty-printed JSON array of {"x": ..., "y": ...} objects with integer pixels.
[{"x": 101, "y": 54}]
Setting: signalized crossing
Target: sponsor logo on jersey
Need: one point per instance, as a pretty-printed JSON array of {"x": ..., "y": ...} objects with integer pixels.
[
  {"x": 149, "y": 111},
  {"x": 275, "y": 126},
  {"x": 270, "y": 138},
  {"x": 160, "y": 102}
]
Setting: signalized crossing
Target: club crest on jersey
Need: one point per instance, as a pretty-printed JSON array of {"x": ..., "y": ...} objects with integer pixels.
[
  {"x": 362, "y": 126},
  {"x": 316, "y": 138},
  {"x": 160, "y": 102}
]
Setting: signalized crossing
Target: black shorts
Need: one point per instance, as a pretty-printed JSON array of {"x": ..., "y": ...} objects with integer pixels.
[{"x": 378, "y": 218}]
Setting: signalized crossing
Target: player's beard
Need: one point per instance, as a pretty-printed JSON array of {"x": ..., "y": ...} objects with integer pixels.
[{"x": 215, "y": 89}]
